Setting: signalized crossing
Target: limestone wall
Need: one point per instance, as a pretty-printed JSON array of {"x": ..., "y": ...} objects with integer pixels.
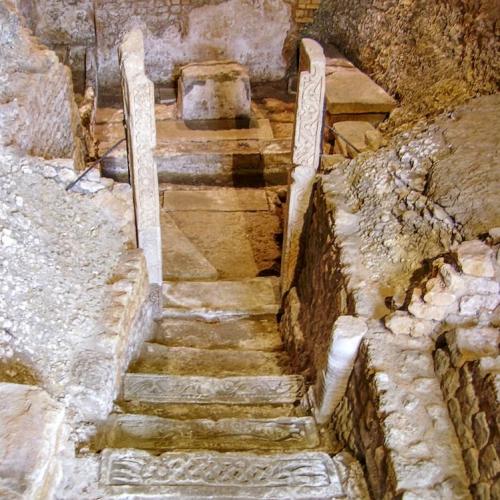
[
  {"x": 38, "y": 113},
  {"x": 428, "y": 54}
]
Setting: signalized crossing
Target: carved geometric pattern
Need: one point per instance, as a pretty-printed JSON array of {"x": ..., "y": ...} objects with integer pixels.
[
  {"x": 245, "y": 390},
  {"x": 228, "y": 475}
]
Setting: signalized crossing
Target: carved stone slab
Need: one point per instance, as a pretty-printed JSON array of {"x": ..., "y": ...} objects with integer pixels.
[
  {"x": 304, "y": 476},
  {"x": 306, "y": 151},
  {"x": 156, "y": 433},
  {"x": 205, "y": 390},
  {"x": 139, "y": 111}
]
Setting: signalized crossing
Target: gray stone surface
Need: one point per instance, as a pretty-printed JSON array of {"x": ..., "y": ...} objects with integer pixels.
[
  {"x": 253, "y": 334},
  {"x": 214, "y": 90},
  {"x": 250, "y": 296},
  {"x": 226, "y": 434},
  {"x": 157, "y": 358},
  {"x": 230, "y": 475},
  {"x": 208, "y": 390}
]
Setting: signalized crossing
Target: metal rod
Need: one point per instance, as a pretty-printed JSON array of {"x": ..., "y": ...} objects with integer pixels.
[{"x": 92, "y": 164}]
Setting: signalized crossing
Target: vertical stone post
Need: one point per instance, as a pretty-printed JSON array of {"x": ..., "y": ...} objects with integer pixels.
[
  {"x": 331, "y": 382},
  {"x": 138, "y": 99},
  {"x": 306, "y": 152}
]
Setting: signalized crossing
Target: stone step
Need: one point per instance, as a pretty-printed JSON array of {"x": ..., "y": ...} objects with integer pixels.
[
  {"x": 259, "y": 334},
  {"x": 226, "y": 434},
  {"x": 157, "y": 358},
  {"x": 213, "y": 411},
  {"x": 211, "y": 299},
  {"x": 216, "y": 163},
  {"x": 137, "y": 474},
  {"x": 161, "y": 389}
]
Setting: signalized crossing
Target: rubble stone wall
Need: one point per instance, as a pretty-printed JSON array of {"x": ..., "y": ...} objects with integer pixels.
[
  {"x": 38, "y": 113},
  {"x": 430, "y": 55},
  {"x": 395, "y": 421},
  {"x": 331, "y": 281}
]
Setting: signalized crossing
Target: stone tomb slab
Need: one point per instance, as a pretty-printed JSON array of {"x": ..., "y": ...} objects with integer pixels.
[
  {"x": 214, "y": 90},
  {"x": 350, "y": 91}
]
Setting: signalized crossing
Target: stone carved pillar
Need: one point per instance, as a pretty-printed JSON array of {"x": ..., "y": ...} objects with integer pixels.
[
  {"x": 139, "y": 110},
  {"x": 331, "y": 382},
  {"x": 306, "y": 152}
]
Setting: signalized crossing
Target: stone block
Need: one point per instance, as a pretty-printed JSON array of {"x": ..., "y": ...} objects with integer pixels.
[
  {"x": 469, "y": 344},
  {"x": 476, "y": 258},
  {"x": 355, "y": 137},
  {"x": 349, "y": 90},
  {"x": 214, "y": 90},
  {"x": 31, "y": 434}
]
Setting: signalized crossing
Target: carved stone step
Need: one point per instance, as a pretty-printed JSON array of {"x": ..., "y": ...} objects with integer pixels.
[
  {"x": 209, "y": 390},
  {"x": 157, "y": 358},
  {"x": 211, "y": 299},
  {"x": 137, "y": 474},
  {"x": 214, "y": 411},
  {"x": 259, "y": 334},
  {"x": 227, "y": 434}
]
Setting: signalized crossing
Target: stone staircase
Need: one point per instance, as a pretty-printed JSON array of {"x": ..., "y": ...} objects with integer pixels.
[{"x": 210, "y": 409}]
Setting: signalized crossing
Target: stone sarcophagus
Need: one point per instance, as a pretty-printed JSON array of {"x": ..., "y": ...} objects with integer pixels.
[{"x": 214, "y": 90}]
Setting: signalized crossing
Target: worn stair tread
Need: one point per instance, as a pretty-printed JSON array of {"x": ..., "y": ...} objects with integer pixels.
[
  {"x": 260, "y": 334},
  {"x": 297, "y": 476},
  {"x": 253, "y": 296},
  {"x": 157, "y": 358},
  {"x": 214, "y": 411},
  {"x": 226, "y": 434},
  {"x": 211, "y": 390}
]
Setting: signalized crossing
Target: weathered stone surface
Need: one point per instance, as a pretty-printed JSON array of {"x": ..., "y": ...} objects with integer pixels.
[
  {"x": 157, "y": 358},
  {"x": 469, "y": 344},
  {"x": 306, "y": 153},
  {"x": 349, "y": 90},
  {"x": 181, "y": 259},
  {"x": 178, "y": 34},
  {"x": 138, "y": 94},
  {"x": 38, "y": 113},
  {"x": 231, "y": 434},
  {"x": 256, "y": 334},
  {"x": 207, "y": 390},
  {"x": 346, "y": 335},
  {"x": 251, "y": 296},
  {"x": 214, "y": 90},
  {"x": 230, "y": 475},
  {"x": 354, "y": 137},
  {"x": 476, "y": 258},
  {"x": 32, "y": 435},
  {"x": 222, "y": 199}
]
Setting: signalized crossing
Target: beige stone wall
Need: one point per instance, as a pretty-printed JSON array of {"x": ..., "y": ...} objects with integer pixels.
[
  {"x": 38, "y": 113},
  {"x": 430, "y": 55}
]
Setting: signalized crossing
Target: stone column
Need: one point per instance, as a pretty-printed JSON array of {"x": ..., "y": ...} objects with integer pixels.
[
  {"x": 331, "y": 383},
  {"x": 306, "y": 152},
  {"x": 139, "y": 110}
]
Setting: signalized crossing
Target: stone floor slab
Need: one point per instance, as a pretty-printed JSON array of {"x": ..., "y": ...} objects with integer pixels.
[
  {"x": 256, "y": 296},
  {"x": 215, "y": 199},
  {"x": 181, "y": 259},
  {"x": 259, "y": 334},
  {"x": 227, "y": 434},
  {"x": 307, "y": 475},
  {"x": 213, "y": 390},
  {"x": 157, "y": 358}
]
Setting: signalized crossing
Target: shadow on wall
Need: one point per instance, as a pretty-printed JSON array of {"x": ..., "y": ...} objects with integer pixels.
[{"x": 16, "y": 371}]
